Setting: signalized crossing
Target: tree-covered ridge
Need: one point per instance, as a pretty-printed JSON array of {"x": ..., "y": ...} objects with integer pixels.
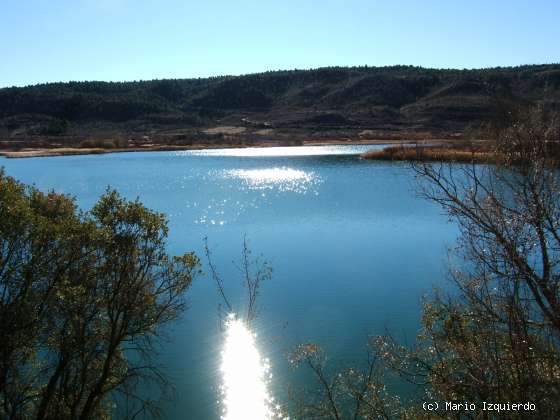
[{"x": 404, "y": 96}]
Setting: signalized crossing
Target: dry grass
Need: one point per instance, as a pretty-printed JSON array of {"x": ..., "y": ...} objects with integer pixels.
[
  {"x": 225, "y": 130},
  {"x": 436, "y": 153}
]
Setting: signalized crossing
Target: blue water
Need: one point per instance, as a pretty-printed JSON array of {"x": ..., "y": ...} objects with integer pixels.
[{"x": 352, "y": 246}]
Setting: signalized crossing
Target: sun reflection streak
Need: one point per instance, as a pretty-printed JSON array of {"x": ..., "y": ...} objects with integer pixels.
[
  {"x": 282, "y": 178},
  {"x": 245, "y": 375}
]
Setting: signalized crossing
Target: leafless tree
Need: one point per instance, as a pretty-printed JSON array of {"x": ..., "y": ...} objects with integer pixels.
[
  {"x": 352, "y": 393},
  {"x": 494, "y": 335},
  {"x": 254, "y": 272},
  {"x": 497, "y": 337}
]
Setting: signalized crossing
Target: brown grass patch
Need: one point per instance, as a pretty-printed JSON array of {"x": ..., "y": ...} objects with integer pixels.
[
  {"x": 437, "y": 153},
  {"x": 225, "y": 130}
]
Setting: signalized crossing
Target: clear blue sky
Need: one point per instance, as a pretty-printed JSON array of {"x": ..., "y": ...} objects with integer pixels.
[{"x": 60, "y": 40}]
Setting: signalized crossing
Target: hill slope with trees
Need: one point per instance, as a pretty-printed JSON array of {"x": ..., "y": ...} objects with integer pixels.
[{"x": 334, "y": 101}]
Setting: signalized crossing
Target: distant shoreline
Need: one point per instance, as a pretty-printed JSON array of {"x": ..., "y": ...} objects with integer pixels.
[{"x": 74, "y": 151}]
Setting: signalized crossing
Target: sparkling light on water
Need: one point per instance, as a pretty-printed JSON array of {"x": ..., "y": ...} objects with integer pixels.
[
  {"x": 245, "y": 375},
  {"x": 283, "y": 178},
  {"x": 280, "y": 151}
]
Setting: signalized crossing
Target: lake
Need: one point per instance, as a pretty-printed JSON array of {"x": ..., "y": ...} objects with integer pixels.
[{"x": 352, "y": 246}]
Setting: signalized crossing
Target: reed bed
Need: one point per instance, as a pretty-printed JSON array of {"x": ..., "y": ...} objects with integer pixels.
[{"x": 431, "y": 153}]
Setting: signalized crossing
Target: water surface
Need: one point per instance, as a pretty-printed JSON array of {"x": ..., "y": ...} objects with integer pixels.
[{"x": 352, "y": 246}]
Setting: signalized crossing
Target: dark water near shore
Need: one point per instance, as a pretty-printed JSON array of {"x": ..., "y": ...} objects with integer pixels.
[{"x": 352, "y": 246}]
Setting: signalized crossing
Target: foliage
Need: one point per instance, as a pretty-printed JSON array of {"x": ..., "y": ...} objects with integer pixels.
[{"x": 84, "y": 299}]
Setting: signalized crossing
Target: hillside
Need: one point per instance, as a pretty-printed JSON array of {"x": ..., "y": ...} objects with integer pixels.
[{"x": 322, "y": 103}]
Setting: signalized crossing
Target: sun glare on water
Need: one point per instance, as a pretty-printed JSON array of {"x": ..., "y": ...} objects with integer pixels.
[
  {"x": 271, "y": 175},
  {"x": 245, "y": 376},
  {"x": 282, "y": 178},
  {"x": 277, "y": 151}
]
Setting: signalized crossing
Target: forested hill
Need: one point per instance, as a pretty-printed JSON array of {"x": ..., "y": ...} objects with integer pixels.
[{"x": 358, "y": 98}]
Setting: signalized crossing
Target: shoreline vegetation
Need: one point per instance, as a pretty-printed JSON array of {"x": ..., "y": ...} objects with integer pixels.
[{"x": 476, "y": 152}]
